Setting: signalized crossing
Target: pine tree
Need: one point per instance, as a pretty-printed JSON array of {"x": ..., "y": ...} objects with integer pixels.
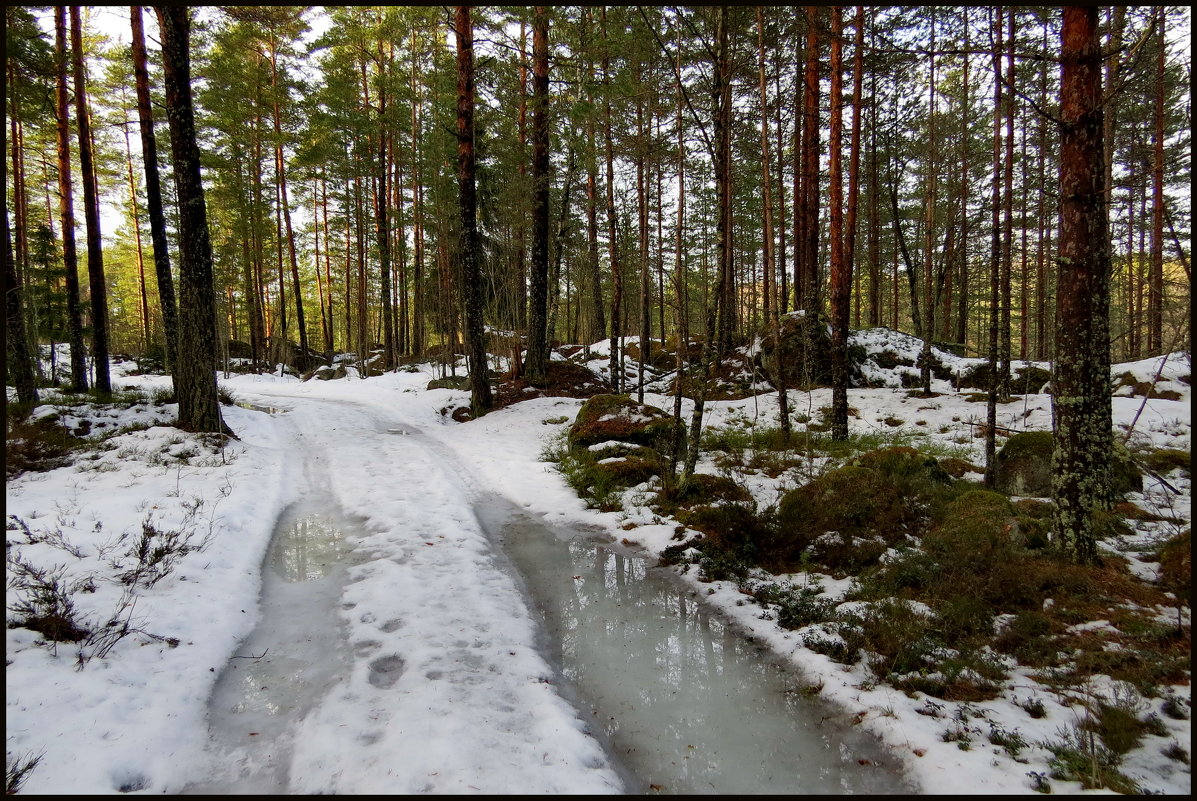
[
  {"x": 195, "y": 373},
  {"x": 1083, "y": 436},
  {"x": 480, "y": 395}
]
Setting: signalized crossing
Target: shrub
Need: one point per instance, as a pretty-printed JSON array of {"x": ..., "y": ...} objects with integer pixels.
[
  {"x": 1176, "y": 566},
  {"x": 37, "y": 445},
  {"x": 17, "y": 770},
  {"x": 1079, "y": 756},
  {"x": 41, "y": 599}
]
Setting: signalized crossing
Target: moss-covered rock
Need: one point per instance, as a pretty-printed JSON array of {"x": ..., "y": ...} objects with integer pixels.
[
  {"x": 1024, "y": 465},
  {"x": 702, "y": 488},
  {"x": 605, "y": 418},
  {"x": 450, "y": 382},
  {"x": 957, "y": 468},
  {"x": 627, "y": 471},
  {"x": 803, "y": 359},
  {"x": 659, "y": 358},
  {"x": 978, "y": 534},
  {"x": 326, "y": 372},
  {"x": 904, "y": 464},
  {"x": 847, "y": 518},
  {"x": 1026, "y": 380}
]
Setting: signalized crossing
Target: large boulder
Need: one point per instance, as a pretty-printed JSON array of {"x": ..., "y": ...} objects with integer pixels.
[
  {"x": 1024, "y": 467},
  {"x": 802, "y": 358},
  {"x": 618, "y": 418},
  {"x": 326, "y": 373}
]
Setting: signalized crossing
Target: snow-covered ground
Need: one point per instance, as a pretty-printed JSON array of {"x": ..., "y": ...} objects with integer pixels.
[{"x": 432, "y": 589}]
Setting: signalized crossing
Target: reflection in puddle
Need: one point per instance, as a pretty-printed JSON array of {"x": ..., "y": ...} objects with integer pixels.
[
  {"x": 290, "y": 660},
  {"x": 307, "y": 548},
  {"x": 686, "y": 703}
]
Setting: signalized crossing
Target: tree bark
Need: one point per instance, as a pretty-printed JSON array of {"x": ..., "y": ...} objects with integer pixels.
[
  {"x": 98, "y": 287},
  {"x": 1155, "y": 279},
  {"x": 480, "y": 395},
  {"x": 20, "y": 355},
  {"x": 199, "y": 407},
  {"x": 809, "y": 242},
  {"x": 995, "y": 259},
  {"x": 772, "y": 310},
  {"x": 1007, "y": 302},
  {"x": 536, "y": 368},
  {"x": 1080, "y": 463},
  {"x": 841, "y": 272},
  {"x": 721, "y": 102},
  {"x": 79, "y": 378},
  {"x": 616, "y": 366},
  {"x": 932, "y": 188},
  {"x": 642, "y": 229},
  {"x": 153, "y": 193}
]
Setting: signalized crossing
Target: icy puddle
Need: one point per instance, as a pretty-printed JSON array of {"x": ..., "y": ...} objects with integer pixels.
[
  {"x": 290, "y": 660},
  {"x": 686, "y": 704}
]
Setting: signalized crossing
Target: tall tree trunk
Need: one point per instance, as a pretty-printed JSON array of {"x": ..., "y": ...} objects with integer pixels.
[
  {"x": 642, "y": 230},
  {"x": 874, "y": 206},
  {"x": 536, "y": 368},
  {"x": 962, "y": 259},
  {"x": 520, "y": 289},
  {"x": 153, "y": 193},
  {"x": 199, "y": 407},
  {"x": 772, "y": 310},
  {"x": 79, "y": 378},
  {"x": 932, "y": 188},
  {"x": 598, "y": 321},
  {"x": 20, "y": 355},
  {"x": 285, "y": 204},
  {"x": 726, "y": 293},
  {"x": 841, "y": 271},
  {"x": 1081, "y": 399},
  {"x": 143, "y": 301},
  {"x": 1007, "y": 301},
  {"x": 809, "y": 246},
  {"x": 1155, "y": 281},
  {"x": 616, "y": 368},
  {"x": 418, "y": 336},
  {"x": 679, "y": 276},
  {"x": 382, "y": 229},
  {"x": 480, "y": 395},
  {"x": 995, "y": 258},
  {"x": 91, "y": 211}
]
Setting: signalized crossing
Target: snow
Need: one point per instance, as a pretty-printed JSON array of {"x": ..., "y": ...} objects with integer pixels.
[{"x": 477, "y": 711}]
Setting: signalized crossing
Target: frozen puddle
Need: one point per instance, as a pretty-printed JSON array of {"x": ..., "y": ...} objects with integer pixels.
[
  {"x": 297, "y": 652},
  {"x": 684, "y": 703},
  {"x": 681, "y": 702}
]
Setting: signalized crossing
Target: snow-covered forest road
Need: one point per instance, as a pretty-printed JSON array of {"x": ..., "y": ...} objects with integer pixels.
[{"x": 443, "y": 661}]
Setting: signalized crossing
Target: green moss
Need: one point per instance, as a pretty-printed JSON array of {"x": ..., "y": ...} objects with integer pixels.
[
  {"x": 735, "y": 538},
  {"x": 603, "y": 418},
  {"x": 701, "y": 489},
  {"x": 956, "y": 467},
  {"x": 628, "y": 471},
  {"x": 857, "y": 502},
  {"x": 1024, "y": 464},
  {"x": 1166, "y": 460},
  {"x": 904, "y": 464},
  {"x": 1024, "y": 467}
]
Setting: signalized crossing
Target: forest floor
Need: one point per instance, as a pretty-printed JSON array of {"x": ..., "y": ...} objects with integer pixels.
[{"x": 110, "y": 668}]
